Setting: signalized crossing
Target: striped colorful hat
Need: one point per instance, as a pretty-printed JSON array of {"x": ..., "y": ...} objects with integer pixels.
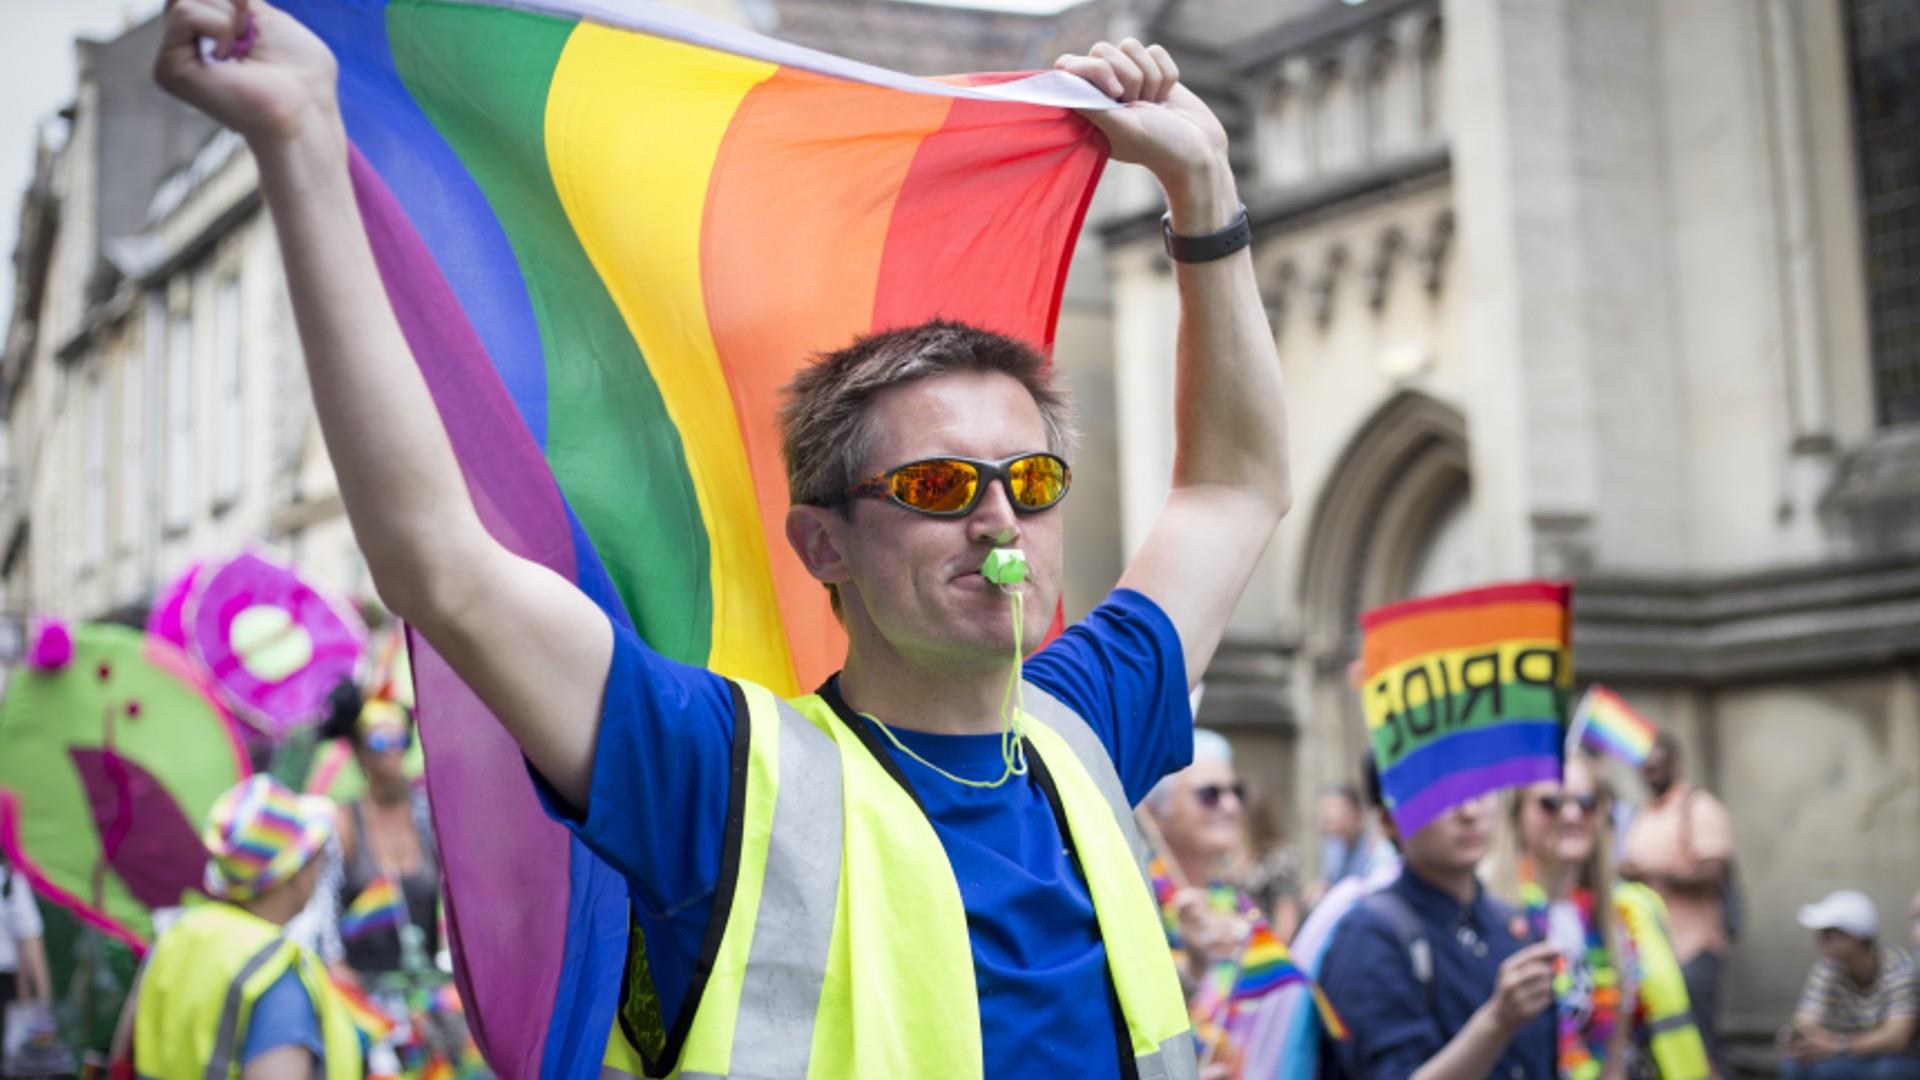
[{"x": 259, "y": 834}]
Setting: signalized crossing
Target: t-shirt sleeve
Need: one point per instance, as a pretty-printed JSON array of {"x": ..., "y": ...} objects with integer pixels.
[
  {"x": 1122, "y": 669},
  {"x": 1814, "y": 995},
  {"x": 657, "y": 802},
  {"x": 283, "y": 1016},
  {"x": 1368, "y": 978},
  {"x": 1903, "y": 987}
]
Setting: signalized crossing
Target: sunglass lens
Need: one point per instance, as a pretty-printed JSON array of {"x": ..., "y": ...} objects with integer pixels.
[
  {"x": 1038, "y": 481},
  {"x": 940, "y": 487}
]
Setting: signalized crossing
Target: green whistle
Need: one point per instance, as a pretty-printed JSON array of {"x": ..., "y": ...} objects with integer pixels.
[{"x": 1005, "y": 567}]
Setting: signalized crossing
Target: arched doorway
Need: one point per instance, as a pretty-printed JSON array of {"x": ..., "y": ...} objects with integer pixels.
[{"x": 1395, "y": 519}]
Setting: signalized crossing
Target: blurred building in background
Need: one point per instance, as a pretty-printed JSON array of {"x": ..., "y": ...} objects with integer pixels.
[
  {"x": 1625, "y": 292},
  {"x": 156, "y": 412}
]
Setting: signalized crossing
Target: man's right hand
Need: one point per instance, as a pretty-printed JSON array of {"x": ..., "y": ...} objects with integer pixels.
[
  {"x": 282, "y": 87},
  {"x": 1525, "y": 986}
]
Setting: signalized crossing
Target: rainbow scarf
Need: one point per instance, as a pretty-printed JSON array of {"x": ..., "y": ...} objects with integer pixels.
[
  {"x": 380, "y": 906},
  {"x": 1466, "y": 694},
  {"x": 1585, "y": 1027},
  {"x": 612, "y": 231}
]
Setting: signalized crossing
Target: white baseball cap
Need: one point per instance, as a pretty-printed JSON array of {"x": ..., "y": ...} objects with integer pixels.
[{"x": 1848, "y": 911}]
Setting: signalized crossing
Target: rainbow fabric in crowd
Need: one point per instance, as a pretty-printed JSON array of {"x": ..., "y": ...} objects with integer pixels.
[
  {"x": 1466, "y": 694},
  {"x": 612, "y": 231},
  {"x": 372, "y": 1021},
  {"x": 1608, "y": 725},
  {"x": 380, "y": 906}
]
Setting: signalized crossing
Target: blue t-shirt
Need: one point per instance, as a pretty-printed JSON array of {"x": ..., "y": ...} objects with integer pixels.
[
  {"x": 1397, "y": 1024},
  {"x": 283, "y": 1016},
  {"x": 658, "y": 807}
]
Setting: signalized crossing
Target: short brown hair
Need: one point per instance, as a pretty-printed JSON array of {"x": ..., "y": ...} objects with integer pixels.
[{"x": 824, "y": 434}]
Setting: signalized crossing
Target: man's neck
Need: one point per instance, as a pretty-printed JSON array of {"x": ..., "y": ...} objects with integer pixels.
[
  {"x": 921, "y": 697},
  {"x": 1674, "y": 791},
  {"x": 273, "y": 907},
  {"x": 1459, "y": 884}
]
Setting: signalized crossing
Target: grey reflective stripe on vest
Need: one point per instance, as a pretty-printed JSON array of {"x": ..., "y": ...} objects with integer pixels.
[
  {"x": 226, "y": 1044},
  {"x": 799, "y": 898},
  {"x": 1677, "y": 1022},
  {"x": 1092, "y": 753},
  {"x": 1173, "y": 1061}
]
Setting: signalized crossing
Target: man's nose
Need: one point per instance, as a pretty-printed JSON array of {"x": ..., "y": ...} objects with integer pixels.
[{"x": 994, "y": 520}]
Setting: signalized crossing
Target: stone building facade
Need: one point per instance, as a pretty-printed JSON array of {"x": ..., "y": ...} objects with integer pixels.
[
  {"x": 155, "y": 409},
  {"x": 1619, "y": 292}
]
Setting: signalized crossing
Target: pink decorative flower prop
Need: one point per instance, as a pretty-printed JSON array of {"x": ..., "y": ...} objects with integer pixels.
[
  {"x": 168, "y": 619},
  {"x": 274, "y": 644}
]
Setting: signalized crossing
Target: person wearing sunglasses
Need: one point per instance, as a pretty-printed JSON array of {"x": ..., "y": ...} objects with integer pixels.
[
  {"x": 1621, "y": 1003},
  {"x": 961, "y": 838},
  {"x": 1198, "y": 817},
  {"x": 385, "y": 857}
]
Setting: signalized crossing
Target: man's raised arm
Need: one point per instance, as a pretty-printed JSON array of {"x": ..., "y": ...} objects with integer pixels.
[
  {"x": 1230, "y": 482},
  {"x": 531, "y": 645}
]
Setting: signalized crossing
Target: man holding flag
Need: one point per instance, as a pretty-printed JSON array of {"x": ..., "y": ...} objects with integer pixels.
[{"x": 901, "y": 874}]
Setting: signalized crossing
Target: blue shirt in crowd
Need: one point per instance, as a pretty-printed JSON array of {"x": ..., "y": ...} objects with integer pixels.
[
  {"x": 283, "y": 1016},
  {"x": 1397, "y": 1023},
  {"x": 658, "y": 805}
]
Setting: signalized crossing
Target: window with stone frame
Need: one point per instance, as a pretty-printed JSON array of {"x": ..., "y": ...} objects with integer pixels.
[{"x": 1883, "y": 43}]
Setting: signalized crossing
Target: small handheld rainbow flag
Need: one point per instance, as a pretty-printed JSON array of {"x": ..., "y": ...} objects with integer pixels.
[
  {"x": 1605, "y": 723},
  {"x": 1265, "y": 965},
  {"x": 378, "y": 907},
  {"x": 1466, "y": 694},
  {"x": 372, "y": 1020}
]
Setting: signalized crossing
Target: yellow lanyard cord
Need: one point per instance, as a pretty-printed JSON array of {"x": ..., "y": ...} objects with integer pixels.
[{"x": 1013, "y": 733}]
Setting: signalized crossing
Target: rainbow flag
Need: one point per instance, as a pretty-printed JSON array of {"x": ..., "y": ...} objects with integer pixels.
[
  {"x": 1608, "y": 725},
  {"x": 380, "y": 906},
  {"x": 612, "y": 231},
  {"x": 1466, "y": 693},
  {"x": 1265, "y": 965},
  {"x": 372, "y": 1020}
]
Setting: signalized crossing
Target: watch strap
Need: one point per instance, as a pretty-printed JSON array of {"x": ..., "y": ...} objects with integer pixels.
[{"x": 1212, "y": 246}]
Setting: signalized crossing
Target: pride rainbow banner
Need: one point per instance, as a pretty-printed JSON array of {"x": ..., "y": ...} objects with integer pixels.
[
  {"x": 1466, "y": 693},
  {"x": 612, "y": 231},
  {"x": 1605, "y": 723}
]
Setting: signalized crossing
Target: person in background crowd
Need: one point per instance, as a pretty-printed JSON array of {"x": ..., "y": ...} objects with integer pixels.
[
  {"x": 1269, "y": 869},
  {"x": 1348, "y": 848},
  {"x": 1428, "y": 974},
  {"x": 1681, "y": 844},
  {"x": 1913, "y": 910},
  {"x": 224, "y": 992},
  {"x": 386, "y": 853},
  {"x": 1198, "y": 816},
  {"x": 23, "y": 956},
  {"x": 1617, "y": 984},
  {"x": 1857, "y": 1015}
]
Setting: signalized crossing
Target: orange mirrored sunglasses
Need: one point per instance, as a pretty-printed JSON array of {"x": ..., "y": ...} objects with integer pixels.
[{"x": 953, "y": 486}]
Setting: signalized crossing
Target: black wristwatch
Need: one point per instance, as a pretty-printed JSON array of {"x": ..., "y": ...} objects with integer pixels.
[{"x": 1201, "y": 249}]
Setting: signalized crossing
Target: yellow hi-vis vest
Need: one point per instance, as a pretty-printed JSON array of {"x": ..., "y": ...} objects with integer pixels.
[
  {"x": 839, "y": 946},
  {"x": 1674, "y": 1041},
  {"x": 198, "y": 988}
]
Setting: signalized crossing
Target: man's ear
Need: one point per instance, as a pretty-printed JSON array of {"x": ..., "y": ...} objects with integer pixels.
[{"x": 819, "y": 536}]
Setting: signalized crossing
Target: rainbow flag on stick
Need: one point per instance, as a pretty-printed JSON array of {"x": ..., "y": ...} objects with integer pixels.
[
  {"x": 368, "y": 1017},
  {"x": 612, "y": 231},
  {"x": 380, "y": 906},
  {"x": 1605, "y": 723},
  {"x": 1466, "y": 693}
]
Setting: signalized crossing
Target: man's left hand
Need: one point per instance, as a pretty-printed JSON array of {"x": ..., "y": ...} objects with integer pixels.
[{"x": 1164, "y": 126}]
